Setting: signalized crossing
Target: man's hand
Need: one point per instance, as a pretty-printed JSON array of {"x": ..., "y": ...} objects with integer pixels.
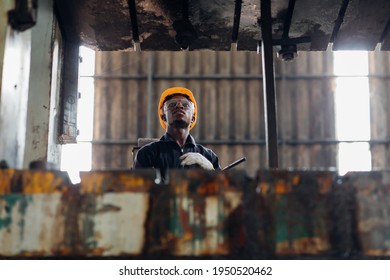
[{"x": 196, "y": 158}]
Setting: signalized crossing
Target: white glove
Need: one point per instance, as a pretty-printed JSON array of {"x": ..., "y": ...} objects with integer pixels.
[{"x": 196, "y": 158}]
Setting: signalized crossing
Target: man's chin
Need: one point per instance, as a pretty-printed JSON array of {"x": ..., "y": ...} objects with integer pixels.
[{"x": 180, "y": 124}]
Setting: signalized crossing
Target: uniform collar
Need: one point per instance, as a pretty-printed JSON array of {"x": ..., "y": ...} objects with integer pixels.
[{"x": 167, "y": 137}]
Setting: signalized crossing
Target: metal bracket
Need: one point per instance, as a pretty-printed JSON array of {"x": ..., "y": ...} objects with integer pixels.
[
  {"x": 24, "y": 16},
  {"x": 236, "y": 24},
  {"x": 185, "y": 31}
]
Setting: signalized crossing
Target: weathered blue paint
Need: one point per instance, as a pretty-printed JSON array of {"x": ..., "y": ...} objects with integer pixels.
[{"x": 11, "y": 200}]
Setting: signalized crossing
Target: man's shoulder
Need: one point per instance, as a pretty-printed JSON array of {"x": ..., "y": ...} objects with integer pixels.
[
  {"x": 202, "y": 148},
  {"x": 155, "y": 145}
]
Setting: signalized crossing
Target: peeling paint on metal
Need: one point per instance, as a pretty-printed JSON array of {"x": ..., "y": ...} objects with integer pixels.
[
  {"x": 301, "y": 212},
  {"x": 30, "y": 224},
  {"x": 199, "y": 213},
  {"x": 114, "y": 224},
  {"x": 113, "y": 211},
  {"x": 200, "y": 206},
  {"x": 373, "y": 211}
]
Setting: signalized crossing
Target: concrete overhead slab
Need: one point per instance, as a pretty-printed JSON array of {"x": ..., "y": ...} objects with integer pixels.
[{"x": 106, "y": 25}]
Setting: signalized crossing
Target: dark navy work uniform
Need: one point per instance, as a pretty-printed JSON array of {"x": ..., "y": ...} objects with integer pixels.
[{"x": 164, "y": 154}]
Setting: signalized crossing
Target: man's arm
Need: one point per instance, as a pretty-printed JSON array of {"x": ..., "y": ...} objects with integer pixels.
[{"x": 144, "y": 158}]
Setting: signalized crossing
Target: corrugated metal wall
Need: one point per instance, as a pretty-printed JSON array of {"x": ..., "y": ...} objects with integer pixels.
[
  {"x": 379, "y": 83},
  {"x": 305, "y": 90},
  {"x": 229, "y": 91}
]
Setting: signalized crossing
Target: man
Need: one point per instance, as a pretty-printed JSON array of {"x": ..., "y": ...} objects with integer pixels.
[{"x": 177, "y": 111}]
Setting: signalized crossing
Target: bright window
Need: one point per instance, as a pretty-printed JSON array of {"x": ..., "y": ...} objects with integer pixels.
[{"x": 352, "y": 105}]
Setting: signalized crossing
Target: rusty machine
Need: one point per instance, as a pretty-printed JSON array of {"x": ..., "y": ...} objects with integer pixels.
[{"x": 197, "y": 214}]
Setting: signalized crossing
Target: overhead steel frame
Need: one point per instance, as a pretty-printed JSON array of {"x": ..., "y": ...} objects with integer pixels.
[{"x": 270, "y": 113}]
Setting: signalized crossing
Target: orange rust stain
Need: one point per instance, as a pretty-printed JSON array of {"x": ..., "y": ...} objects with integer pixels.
[
  {"x": 221, "y": 249},
  {"x": 296, "y": 179},
  {"x": 223, "y": 181},
  {"x": 64, "y": 251},
  {"x": 377, "y": 252},
  {"x": 205, "y": 247},
  {"x": 306, "y": 245},
  {"x": 325, "y": 184},
  {"x": 130, "y": 182},
  {"x": 97, "y": 251},
  {"x": 92, "y": 182},
  {"x": 105, "y": 181},
  {"x": 208, "y": 188},
  {"x": 181, "y": 187},
  {"x": 264, "y": 187},
  {"x": 41, "y": 182},
  {"x": 37, "y": 253},
  {"x": 281, "y": 187},
  {"x": 5, "y": 180},
  {"x": 187, "y": 236}
]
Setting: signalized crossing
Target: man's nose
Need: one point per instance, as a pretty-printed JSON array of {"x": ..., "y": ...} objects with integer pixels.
[{"x": 179, "y": 104}]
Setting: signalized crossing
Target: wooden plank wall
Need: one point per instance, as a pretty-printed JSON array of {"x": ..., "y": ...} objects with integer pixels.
[
  {"x": 379, "y": 83},
  {"x": 228, "y": 88}
]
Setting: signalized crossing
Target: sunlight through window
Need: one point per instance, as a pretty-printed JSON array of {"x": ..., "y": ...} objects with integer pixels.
[
  {"x": 352, "y": 105},
  {"x": 78, "y": 157}
]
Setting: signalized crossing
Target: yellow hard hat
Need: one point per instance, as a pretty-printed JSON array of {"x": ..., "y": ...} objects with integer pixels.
[{"x": 174, "y": 91}]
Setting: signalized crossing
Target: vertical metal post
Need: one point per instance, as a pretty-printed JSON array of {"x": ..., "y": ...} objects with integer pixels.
[
  {"x": 134, "y": 24},
  {"x": 69, "y": 92},
  {"x": 270, "y": 115},
  {"x": 236, "y": 24},
  {"x": 149, "y": 109}
]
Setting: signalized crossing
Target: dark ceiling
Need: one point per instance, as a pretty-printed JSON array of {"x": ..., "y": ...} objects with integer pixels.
[{"x": 311, "y": 25}]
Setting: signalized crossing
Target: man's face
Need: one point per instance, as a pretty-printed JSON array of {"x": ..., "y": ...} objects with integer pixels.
[{"x": 178, "y": 112}]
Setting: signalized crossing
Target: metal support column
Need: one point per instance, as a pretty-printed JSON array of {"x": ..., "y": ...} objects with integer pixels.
[
  {"x": 270, "y": 114},
  {"x": 134, "y": 24},
  {"x": 149, "y": 110}
]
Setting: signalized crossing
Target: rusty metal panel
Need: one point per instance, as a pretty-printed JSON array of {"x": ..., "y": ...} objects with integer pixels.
[
  {"x": 31, "y": 224},
  {"x": 32, "y": 181},
  {"x": 294, "y": 213},
  {"x": 200, "y": 216},
  {"x": 113, "y": 211},
  {"x": 299, "y": 210},
  {"x": 372, "y": 211},
  {"x": 32, "y": 220}
]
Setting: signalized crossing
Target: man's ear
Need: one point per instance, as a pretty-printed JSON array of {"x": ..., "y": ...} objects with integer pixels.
[
  {"x": 163, "y": 117},
  {"x": 193, "y": 119}
]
